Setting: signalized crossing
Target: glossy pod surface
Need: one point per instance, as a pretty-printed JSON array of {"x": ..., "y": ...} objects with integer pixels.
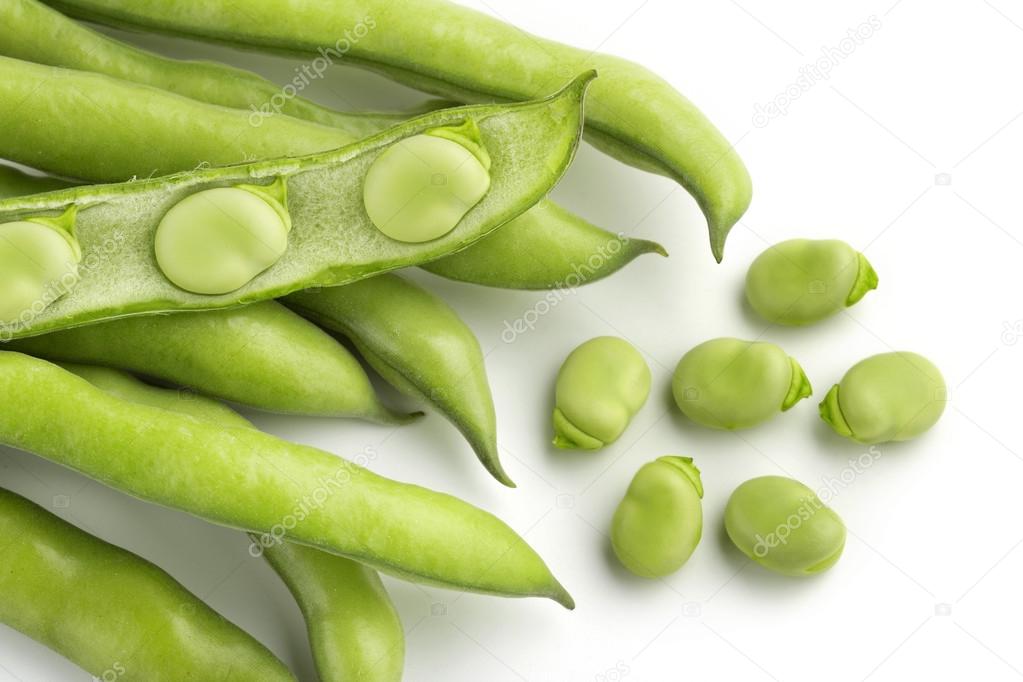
[
  {"x": 453, "y": 51},
  {"x": 331, "y": 242},
  {"x": 801, "y": 281},
  {"x": 277, "y": 489},
  {"x": 733, "y": 384},
  {"x": 600, "y": 387},
  {"x": 782, "y": 525},
  {"x": 261, "y": 355},
  {"x": 566, "y": 250},
  {"x": 111, "y": 612},
  {"x": 353, "y": 627},
  {"x": 420, "y": 346},
  {"x": 658, "y": 524},
  {"x": 887, "y": 397}
]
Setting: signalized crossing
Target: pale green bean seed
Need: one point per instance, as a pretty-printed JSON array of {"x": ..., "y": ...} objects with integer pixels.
[
  {"x": 782, "y": 525},
  {"x": 659, "y": 523},
  {"x": 800, "y": 281},
  {"x": 38, "y": 264},
  {"x": 733, "y": 384},
  {"x": 419, "y": 188},
  {"x": 217, "y": 240},
  {"x": 886, "y": 397},
  {"x": 600, "y": 388}
]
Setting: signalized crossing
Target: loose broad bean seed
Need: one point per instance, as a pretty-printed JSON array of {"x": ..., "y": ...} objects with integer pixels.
[
  {"x": 217, "y": 240},
  {"x": 800, "y": 281},
  {"x": 782, "y": 525},
  {"x": 112, "y": 612},
  {"x": 733, "y": 384},
  {"x": 260, "y": 355},
  {"x": 658, "y": 524},
  {"x": 453, "y": 51},
  {"x": 353, "y": 627},
  {"x": 600, "y": 388},
  {"x": 531, "y": 145},
  {"x": 419, "y": 188},
  {"x": 38, "y": 264},
  {"x": 279, "y": 490},
  {"x": 887, "y": 397}
]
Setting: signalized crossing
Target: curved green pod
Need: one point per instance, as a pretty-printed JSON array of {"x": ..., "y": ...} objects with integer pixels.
[
  {"x": 552, "y": 257},
  {"x": 801, "y": 281},
  {"x": 17, "y": 183},
  {"x": 353, "y": 627},
  {"x": 277, "y": 489},
  {"x": 600, "y": 387},
  {"x": 72, "y": 45},
  {"x": 331, "y": 242},
  {"x": 261, "y": 355},
  {"x": 455, "y": 52},
  {"x": 561, "y": 242},
  {"x": 659, "y": 522},
  {"x": 782, "y": 525},
  {"x": 733, "y": 384},
  {"x": 66, "y": 589},
  {"x": 886, "y": 397},
  {"x": 420, "y": 346},
  {"x": 354, "y": 630}
]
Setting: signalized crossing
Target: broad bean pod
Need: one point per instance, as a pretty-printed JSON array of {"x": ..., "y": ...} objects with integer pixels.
[
  {"x": 332, "y": 241},
  {"x": 566, "y": 250},
  {"x": 353, "y": 627},
  {"x": 261, "y": 355},
  {"x": 245, "y": 479},
  {"x": 419, "y": 345},
  {"x": 111, "y": 611},
  {"x": 452, "y": 51}
]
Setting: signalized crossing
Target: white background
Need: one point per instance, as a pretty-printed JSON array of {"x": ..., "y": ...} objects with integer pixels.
[{"x": 909, "y": 151}]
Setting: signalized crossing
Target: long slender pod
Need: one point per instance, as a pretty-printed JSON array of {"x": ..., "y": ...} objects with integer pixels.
[
  {"x": 245, "y": 479},
  {"x": 453, "y": 51},
  {"x": 111, "y": 612},
  {"x": 149, "y": 138},
  {"x": 261, "y": 355},
  {"x": 419, "y": 344},
  {"x": 16, "y": 183},
  {"x": 353, "y": 627},
  {"x": 331, "y": 239}
]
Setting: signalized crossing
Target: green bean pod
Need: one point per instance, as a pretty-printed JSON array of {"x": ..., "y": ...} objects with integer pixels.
[
  {"x": 531, "y": 145},
  {"x": 886, "y": 397},
  {"x": 420, "y": 346},
  {"x": 261, "y": 355},
  {"x": 16, "y": 183},
  {"x": 353, "y": 627},
  {"x": 564, "y": 247},
  {"x": 67, "y": 589},
  {"x": 455, "y": 52},
  {"x": 245, "y": 479},
  {"x": 354, "y": 630},
  {"x": 73, "y": 45}
]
